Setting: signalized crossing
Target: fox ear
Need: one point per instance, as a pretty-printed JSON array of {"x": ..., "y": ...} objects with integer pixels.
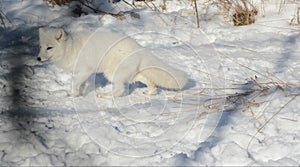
[{"x": 60, "y": 35}]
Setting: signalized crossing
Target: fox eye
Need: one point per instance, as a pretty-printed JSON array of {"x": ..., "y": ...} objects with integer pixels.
[{"x": 49, "y": 48}]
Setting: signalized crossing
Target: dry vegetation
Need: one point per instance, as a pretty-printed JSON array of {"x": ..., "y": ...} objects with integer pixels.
[
  {"x": 83, "y": 7},
  {"x": 296, "y": 19},
  {"x": 3, "y": 19},
  {"x": 58, "y": 2},
  {"x": 241, "y": 12}
]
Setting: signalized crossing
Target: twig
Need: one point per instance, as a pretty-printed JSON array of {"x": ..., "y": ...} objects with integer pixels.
[
  {"x": 242, "y": 65},
  {"x": 263, "y": 126},
  {"x": 282, "y": 2},
  {"x": 263, "y": 12},
  {"x": 298, "y": 16},
  {"x": 277, "y": 27},
  {"x": 2, "y": 20},
  {"x": 148, "y": 6},
  {"x": 197, "y": 14},
  {"x": 132, "y": 6},
  {"x": 156, "y": 11},
  {"x": 289, "y": 119},
  {"x": 293, "y": 98},
  {"x": 243, "y": 48},
  {"x": 3, "y": 17},
  {"x": 282, "y": 82}
]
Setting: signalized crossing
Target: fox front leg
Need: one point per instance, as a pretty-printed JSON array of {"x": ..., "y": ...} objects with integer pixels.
[
  {"x": 79, "y": 80},
  {"x": 118, "y": 82},
  {"x": 118, "y": 90},
  {"x": 149, "y": 83}
]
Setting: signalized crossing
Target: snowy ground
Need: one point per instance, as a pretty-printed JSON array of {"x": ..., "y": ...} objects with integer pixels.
[{"x": 241, "y": 106}]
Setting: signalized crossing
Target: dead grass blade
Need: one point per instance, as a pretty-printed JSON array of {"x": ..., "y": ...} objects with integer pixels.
[{"x": 271, "y": 118}]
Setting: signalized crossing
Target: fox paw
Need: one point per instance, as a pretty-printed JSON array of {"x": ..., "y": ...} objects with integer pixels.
[
  {"x": 150, "y": 92},
  {"x": 103, "y": 95},
  {"x": 73, "y": 95}
]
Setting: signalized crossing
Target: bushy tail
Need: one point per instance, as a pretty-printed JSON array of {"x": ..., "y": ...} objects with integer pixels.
[{"x": 166, "y": 76}]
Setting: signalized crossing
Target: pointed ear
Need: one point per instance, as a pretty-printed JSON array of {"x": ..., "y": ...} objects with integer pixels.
[{"x": 60, "y": 35}]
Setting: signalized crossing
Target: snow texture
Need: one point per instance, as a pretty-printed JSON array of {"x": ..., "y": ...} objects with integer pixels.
[{"x": 240, "y": 107}]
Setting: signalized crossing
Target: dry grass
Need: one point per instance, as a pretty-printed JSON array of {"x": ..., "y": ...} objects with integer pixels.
[
  {"x": 4, "y": 19},
  {"x": 244, "y": 14},
  {"x": 58, "y": 2},
  {"x": 197, "y": 14},
  {"x": 83, "y": 7},
  {"x": 296, "y": 19},
  {"x": 241, "y": 12}
]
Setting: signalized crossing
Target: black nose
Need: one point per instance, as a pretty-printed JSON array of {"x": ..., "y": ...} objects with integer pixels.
[{"x": 39, "y": 59}]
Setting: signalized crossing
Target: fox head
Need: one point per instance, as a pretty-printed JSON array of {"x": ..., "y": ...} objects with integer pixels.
[{"x": 51, "y": 43}]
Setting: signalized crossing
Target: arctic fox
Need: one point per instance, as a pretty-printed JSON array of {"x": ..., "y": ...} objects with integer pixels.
[{"x": 120, "y": 58}]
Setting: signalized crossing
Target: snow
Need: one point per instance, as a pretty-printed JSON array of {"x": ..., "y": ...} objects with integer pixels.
[{"x": 239, "y": 108}]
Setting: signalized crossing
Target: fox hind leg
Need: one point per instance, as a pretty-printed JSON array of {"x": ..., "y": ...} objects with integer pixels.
[
  {"x": 150, "y": 84},
  {"x": 118, "y": 90}
]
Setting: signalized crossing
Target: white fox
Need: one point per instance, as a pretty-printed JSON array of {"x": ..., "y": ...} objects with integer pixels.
[{"x": 120, "y": 58}]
